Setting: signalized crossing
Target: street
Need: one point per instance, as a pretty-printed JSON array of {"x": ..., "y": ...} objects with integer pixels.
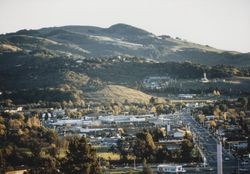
[{"x": 207, "y": 144}]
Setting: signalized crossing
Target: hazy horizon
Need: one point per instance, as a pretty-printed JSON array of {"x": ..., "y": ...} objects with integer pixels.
[{"x": 223, "y": 24}]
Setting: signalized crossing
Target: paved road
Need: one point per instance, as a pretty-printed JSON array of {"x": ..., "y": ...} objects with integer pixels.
[{"x": 208, "y": 145}]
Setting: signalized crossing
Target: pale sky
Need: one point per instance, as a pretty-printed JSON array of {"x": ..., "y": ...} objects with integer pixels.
[{"x": 224, "y": 24}]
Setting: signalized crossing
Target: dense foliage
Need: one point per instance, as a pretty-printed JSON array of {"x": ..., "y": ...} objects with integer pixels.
[
  {"x": 143, "y": 147},
  {"x": 24, "y": 143}
]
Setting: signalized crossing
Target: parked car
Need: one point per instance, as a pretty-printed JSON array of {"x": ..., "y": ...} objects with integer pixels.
[
  {"x": 244, "y": 162},
  {"x": 243, "y": 170}
]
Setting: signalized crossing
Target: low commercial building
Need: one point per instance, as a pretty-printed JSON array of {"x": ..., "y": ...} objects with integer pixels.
[{"x": 168, "y": 168}]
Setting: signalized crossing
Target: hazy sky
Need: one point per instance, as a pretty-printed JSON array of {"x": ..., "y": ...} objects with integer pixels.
[{"x": 222, "y": 24}]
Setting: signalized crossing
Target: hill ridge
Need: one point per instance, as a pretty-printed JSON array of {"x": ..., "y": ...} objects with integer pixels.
[{"x": 121, "y": 39}]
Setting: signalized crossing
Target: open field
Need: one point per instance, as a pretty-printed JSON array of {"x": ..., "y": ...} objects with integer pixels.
[{"x": 109, "y": 155}]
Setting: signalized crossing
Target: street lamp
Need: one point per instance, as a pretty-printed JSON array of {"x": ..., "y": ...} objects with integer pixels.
[{"x": 134, "y": 163}]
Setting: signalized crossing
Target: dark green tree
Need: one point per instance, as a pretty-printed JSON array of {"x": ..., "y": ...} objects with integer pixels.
[
  {"x": 248, "y": 146},
  {"x": 81, "y": 158},
  {"x": 146, "y": 168},
  {"x": 186, "y": 148},
  {"x": 158, "y": 134},
  {"x": 144, "y": 146}
]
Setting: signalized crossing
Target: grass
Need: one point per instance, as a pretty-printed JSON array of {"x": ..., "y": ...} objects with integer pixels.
[
  {"x": 109, "y": 156},
  {"x": 62, "y": 153},
  {"x": 119, "y": 94}
]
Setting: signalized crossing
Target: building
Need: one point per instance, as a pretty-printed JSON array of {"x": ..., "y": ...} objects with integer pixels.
[
  {"x": 167, "y": 168},
  {"x": 210, "y": 117},
  {"x": 187, "y": 96},
  {"x": 179, "y": 134},
  {"x": 204, "y": 79}
]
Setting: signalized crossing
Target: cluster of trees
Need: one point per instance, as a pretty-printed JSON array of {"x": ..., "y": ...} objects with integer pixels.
[
  {"x": 145, "y": 146},
  {"x": 232, "y": 112},
  {"x": 155, "y": 106},
  {"x": 25, "y": 143},
  {"x": 46, "y": 96}
]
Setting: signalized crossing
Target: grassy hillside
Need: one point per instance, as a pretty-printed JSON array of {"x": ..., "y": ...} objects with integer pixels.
[{"x": 118, "y": 94}]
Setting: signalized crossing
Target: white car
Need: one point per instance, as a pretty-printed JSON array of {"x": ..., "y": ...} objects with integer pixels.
[
  {"x": 244, "y": 162},
  {"x": 243, "y": 169}
]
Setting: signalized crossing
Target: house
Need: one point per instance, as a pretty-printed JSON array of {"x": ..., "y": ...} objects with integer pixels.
[
  {"x": 58, "y": 112},
  {"x": 179, "y": 134},
  {"x": 18, "y": 109},
  {"x": 210, "y": 117}
]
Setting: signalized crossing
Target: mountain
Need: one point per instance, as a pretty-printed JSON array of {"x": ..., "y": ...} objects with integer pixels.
[
  {"x": 119, "y": 39},
  {"x": 77, "y": 64}
]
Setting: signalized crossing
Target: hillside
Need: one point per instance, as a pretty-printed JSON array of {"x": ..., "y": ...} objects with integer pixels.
[
  {"x": 38, "y": 78},
  {"x": 120, "y": 39},
  {"x": 119, "y": 94}
]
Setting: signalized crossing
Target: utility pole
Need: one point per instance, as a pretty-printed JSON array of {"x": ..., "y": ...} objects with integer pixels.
[
  {"x": 219, "y": 158},
  {"x": 134, "y": 163}
]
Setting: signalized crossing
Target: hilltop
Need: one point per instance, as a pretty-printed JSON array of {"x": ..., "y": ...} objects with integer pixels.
[{"x": 119, "y": 39}]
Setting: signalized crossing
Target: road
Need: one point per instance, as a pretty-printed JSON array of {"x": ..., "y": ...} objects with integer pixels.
[{"x": 207, "y": 144}]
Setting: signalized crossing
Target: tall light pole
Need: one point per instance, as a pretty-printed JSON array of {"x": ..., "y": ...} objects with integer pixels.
[
  {"x": 134, "y": 163},
  {"x": 219, "y": 158}
]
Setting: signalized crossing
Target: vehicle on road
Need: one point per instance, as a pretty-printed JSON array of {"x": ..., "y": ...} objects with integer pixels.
[
  {"x": 244, "y": 162},
  {"x": 243, "y": 170}
]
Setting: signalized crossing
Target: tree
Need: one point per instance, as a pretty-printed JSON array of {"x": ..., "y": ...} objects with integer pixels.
[
  {"x": 146, "y": 168},
  {"x": 201, "y": 119},
  {"x": 212, "y": 125},
  {"x": 158, "y": 134},
  {"x": 46, "y": 165},
  {"x": 152, "y": 100},
  {"x": 244, "y": 102},
  {"x": 33, "y": 122},
  {"x": 35, "y": 147},
  {"x": 163, "y": 155},
  {"x": 2, "y": 130},
  {"x": 51, "y": 136},
  {"x": 144, "y": 146},
  {"x": 81, "y": 158},
  {"x": 2, "y": 162},
  {"x": 248, "y": 146},
  {"x": 122, "y": 148},
  {"x": 186, "y": 148}
]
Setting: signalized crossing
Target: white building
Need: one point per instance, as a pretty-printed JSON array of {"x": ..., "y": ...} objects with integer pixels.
[
  {"x": 123, "y": 119},
  {"x": 167, "y": 168},
  {"x": 204, "y": 79},
  {"x": 72, "y": 122},
  {"x": 179, "y": 134},
  {"x": 210, "y": 117}
]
